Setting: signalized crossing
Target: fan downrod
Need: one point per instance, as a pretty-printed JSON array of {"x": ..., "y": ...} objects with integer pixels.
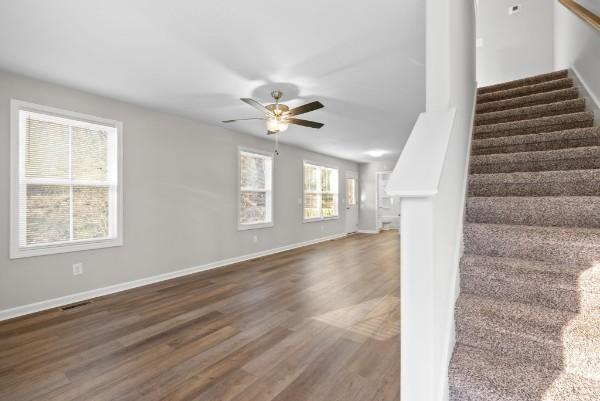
[{"x": 277, "y": 95}]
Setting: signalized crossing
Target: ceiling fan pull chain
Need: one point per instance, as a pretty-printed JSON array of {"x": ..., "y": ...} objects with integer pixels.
[{"x": 276, "y": 145}]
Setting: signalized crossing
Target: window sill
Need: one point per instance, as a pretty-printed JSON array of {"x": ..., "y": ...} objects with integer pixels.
[
  {"x": 17, "y": 252},
  {"x": 245, "y": 227},
  {"x": 320, "y": 219}
]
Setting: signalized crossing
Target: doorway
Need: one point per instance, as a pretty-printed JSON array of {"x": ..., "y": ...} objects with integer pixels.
[
  {"x": 387, "y": 214},
  {"x": 351, "y": 205}
]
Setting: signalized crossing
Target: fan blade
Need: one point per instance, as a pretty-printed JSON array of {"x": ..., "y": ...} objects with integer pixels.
[
  {"x": 306, "y": 108},
  {"x": 257, "y": 106},
  {"x": 304, "y": 123},
  {"x": 242, "y": 119},
  {"x": 272, "y": 132}
]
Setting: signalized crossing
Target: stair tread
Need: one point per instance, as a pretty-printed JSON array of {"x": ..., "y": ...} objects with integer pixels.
[
  {"x": 524, "y": 81},
  {"x": 534, "y": 321},
  {"x": 547, "y": 86},
  {"x": 569, "y": 287},
  {"x": 573, "y": 211},
  {"x": 584, "y": 157},
  {"x": 537, "y": 176},
  {"x": 529, "y": 100},
  {"x": 553, "y": 154},
  {"x": 529, "y": 112},
  {"x": 557, "y": 136},
  {"x": 476, "y": 374},
  {"x": 541, "y": 124},
  {"x": 575, "y": 234},
  {"x": 570, "y": 245}
]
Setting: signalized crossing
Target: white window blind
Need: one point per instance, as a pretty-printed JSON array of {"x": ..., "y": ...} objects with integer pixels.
[
  {"x": 66, "y": 174},
  {"x": 320, "y": 192},
  {"x": 256, "y": 189}
]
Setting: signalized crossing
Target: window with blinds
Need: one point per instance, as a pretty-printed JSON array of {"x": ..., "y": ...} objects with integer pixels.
[
  {"x": 255, "y": 189},
  {"x": 65, "y": 181},
  {"x": 320, "y": 192}
]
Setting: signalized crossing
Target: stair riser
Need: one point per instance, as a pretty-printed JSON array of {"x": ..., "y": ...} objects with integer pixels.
[
  {"x": 524, "y": 82},
  {"x": 592, "y": 140},
  {"x": 508, "y": 344},
  {"x": 536, "y": 129},
  {"x": 457, "y": 394},
  {"x": 533, "y": 100},
  {"x": 551, "y": 212},
  {"x": 542, "y": 165},
  {"x": 574, "y": 106},
  {"x": 526, "y": 90},
  {"x": 506, "y": 288},
  {"x": 582, "y": 187},
  {"x": 514, "y": 345},
  {"x": 491, "y": 241}
]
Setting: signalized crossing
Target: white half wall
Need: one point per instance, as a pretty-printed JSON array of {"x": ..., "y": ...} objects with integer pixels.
[
  {"x": 514, "y": 46},
  {"x": 431, "y": 177},
  {"x": 180, "y": 202}
]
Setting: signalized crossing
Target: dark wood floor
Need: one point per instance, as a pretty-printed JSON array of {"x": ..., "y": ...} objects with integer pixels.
[{"x": 318, "y": 323}]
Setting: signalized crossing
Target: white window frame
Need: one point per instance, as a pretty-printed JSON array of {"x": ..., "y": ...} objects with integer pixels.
[
  {"x": 321, "y": 165},
  {"x": 253, "y": 226},
  {"x": 17, "y": 160}
]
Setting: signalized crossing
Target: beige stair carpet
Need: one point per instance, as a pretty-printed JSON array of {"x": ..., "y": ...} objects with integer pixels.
[{"x": 528, "y": 316}]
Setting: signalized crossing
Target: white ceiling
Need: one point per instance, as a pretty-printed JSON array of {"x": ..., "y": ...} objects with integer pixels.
[{"x": 364, "y": 60}]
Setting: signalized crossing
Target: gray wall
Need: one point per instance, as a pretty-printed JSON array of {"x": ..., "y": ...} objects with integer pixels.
[
  {"x": 368, "y": 192},
  {"x": 179, "y": 199},
  {"x": 514, "y": 46}
]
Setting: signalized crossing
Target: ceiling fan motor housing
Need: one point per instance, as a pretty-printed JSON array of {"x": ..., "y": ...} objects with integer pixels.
[{"x": 277, "y": 95}]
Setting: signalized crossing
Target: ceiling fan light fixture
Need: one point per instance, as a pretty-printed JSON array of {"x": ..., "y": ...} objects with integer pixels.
[
  {"x": 273, "y": 125},
  {"x": 282, "y": 126},
  {"x": 277, "y": 124}
]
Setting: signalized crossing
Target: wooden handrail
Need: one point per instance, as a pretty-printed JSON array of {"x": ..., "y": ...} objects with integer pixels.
[{"x": 585, "y": 14}]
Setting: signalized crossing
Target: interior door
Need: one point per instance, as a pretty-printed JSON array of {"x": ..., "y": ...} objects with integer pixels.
[{"x": 351, "y": 202}]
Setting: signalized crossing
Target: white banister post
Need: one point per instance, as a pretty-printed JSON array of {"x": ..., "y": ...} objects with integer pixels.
[{"x": 417, "y": 305}]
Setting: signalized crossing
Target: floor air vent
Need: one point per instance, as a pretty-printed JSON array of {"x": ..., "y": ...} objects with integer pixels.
[{"x": 73, "y": 306}]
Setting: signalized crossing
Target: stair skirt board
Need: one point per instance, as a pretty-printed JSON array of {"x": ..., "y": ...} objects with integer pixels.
[{"x": 528, "y": 313}]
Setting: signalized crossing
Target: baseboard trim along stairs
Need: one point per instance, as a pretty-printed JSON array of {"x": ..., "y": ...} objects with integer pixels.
[{"x": 528, "y": 314}]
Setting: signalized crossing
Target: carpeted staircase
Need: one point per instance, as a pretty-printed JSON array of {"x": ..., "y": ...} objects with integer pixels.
[{"x": 528, "y": 316}]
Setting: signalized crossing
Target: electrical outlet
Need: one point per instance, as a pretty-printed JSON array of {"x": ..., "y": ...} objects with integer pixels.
[
  {"x": 255, "y": 239},
  {"x": 479, "y": 42},
  {"x": 77, "y": 269},
  {"x": 514, "y": 9}
]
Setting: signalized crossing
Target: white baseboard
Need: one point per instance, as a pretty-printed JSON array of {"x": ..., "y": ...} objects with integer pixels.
[
  {"x": 594, "y": 103},
  {"x": 98, "y": 292},
  {"x": 368, "y": 231}
]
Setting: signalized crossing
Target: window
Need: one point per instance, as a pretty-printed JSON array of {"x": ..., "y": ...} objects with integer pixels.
[
  {"x": 65, "y": 181},
  {"x": 320, "y": 192},
  {"x": 256, "y": 190},
  {"x": 350, "y": 191}
]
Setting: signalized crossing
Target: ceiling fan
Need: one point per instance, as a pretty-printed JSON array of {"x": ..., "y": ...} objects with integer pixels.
[{"x": 278, "y": 116}]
